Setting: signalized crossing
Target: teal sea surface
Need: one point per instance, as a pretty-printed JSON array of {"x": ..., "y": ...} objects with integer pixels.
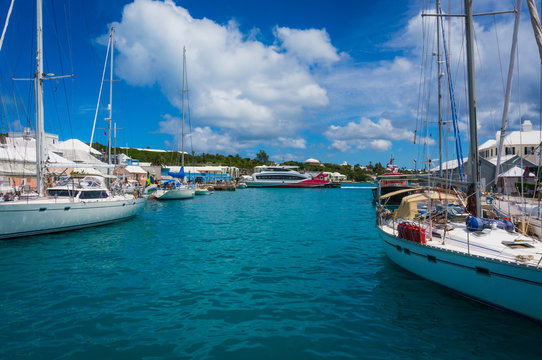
[{"x": 251, "y": 274}]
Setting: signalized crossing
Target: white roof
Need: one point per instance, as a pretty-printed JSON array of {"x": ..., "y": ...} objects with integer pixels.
[
  {"x": 514, "y": 172},
  {"x": 76, "y": 144},
  {"x": 135, "y": 169},
  {"x": 26, "y": 152},
  {"x": 504, "y": 158},
  {"x": 449, "y": 165},
  {"x": 488, "y": 144},
  {"x": 195, "y": 169},
  {"x": 313, "y": 161}
]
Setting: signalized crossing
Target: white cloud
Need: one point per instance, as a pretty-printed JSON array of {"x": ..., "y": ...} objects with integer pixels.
[
  {"x": 296, "y": 143},
  {"x": 367, "y": 129},
  {"x": 380, "y": 145},
  {"x": 246, "y": 92},
  {"x": 366, "y": 134},
  {"x": 238, "y": 86},
  {"x": 203, "y": 139},
  {"x": 311, "y": 46}
]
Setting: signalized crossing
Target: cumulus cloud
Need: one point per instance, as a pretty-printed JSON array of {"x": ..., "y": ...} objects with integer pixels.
[
  {"x": 239, "y": 87},
  {"x": 202, "y": 139},
  {"x": 366, "y": 134},
  {"x": 295, "y": 143},
  {"x": 311, "y": 46},
  {"x": 245, "y": 92}
]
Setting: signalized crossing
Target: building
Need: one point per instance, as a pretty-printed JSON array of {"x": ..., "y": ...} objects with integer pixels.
[
  {"x": 335, "y": 176},
  {"x": 206, "y": 174},
  {"x": 522, "y": 143},
  {"x": 312, "y": 161}
]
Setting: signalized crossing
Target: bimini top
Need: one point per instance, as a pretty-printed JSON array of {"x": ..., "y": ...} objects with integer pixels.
[{"x": 409, "y": 205}]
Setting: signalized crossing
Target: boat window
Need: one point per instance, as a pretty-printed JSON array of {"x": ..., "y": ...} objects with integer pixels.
[
  {"x": 280, "y": 177},
  {"x": 100, "y": 194},
  {"x": 62, "y": 192}
]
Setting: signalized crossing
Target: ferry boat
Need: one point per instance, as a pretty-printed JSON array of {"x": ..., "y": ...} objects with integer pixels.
[{"x": 286, "y": 176}]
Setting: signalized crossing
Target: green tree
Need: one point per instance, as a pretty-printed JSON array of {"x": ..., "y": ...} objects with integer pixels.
[{"x": 262, "y": 156}]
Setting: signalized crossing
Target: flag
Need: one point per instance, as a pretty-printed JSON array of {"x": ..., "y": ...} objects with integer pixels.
[{"x": 150, "y": 179}]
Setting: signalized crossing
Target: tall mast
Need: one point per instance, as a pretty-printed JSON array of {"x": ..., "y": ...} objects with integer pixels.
[
  {"x": 508, "y": 91},
  {"x": 182, "y": 107},
  {"x": 473, "y": 148},
  {"x": 110, "y": 107},
  {"x": 439, "y": 92},
  {"x": 38, "y": 80}
]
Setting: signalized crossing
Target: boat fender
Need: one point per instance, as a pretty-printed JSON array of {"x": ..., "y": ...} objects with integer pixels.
[
  {"x": 474, "y": 224},
  {"x": 479, "y": 224}
]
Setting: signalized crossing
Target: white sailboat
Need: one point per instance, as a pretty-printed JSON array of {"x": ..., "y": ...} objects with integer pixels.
[
  {"x": 486, "y": 260},
  {"x": 175, "y": 188},
  {"x": 73, "y": 204}
]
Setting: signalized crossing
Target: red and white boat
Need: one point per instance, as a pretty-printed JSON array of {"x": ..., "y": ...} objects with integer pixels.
[{"x": 285, "y": 176}]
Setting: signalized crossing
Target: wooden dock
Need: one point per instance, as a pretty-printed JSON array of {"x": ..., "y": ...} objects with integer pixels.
[{"x": 224, "y": 187}]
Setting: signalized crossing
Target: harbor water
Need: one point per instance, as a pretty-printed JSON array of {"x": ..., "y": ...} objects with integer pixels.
[{"x": 251, "y": 274}]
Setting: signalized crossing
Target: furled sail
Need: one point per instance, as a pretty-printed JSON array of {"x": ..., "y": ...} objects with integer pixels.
[{"x": 537, "y": 28}]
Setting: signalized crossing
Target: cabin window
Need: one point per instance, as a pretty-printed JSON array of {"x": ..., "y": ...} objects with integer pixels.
[
  {"x": 61, "y": 193},
  {"x": 528, "y": 150},
  {"x": 101, "y": 194},
  {"x": 509, "y": 150}
]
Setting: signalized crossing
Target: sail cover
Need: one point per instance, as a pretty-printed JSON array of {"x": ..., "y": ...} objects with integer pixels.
[{"x": 179, "y": 174}]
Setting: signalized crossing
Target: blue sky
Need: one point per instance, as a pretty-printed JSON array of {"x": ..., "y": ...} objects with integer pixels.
[{"x": 337, "y": 81}]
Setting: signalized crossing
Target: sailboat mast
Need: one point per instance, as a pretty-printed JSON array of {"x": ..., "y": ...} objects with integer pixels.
[
  {"x": 110, "y": 107},
  {"x": 182, "y": 107},
  {"x": 439, "y": 91},
  {"x": 473, "y": 148},
  {"x": 508, "y": 91},
  {"x": 38, "y": 79}
]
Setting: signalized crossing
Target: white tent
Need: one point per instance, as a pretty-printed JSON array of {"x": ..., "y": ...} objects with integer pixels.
[
  {"x": 77, "y": 151},
  {"x": 507, "y": 180},
  {"x": 514, "y": 172},
  {"x": 20, "y": 160}
]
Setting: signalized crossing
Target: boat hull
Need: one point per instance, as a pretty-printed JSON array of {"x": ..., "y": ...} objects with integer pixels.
[
  {"x": 511, "y": 287},
  {"x": 176, "y": 194},
  {"x": 282, "y": 184},
  {"x": 41, "y": 216}
]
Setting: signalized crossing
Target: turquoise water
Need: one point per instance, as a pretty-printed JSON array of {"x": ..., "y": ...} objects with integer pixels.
[{"x": 251, "y": 274}]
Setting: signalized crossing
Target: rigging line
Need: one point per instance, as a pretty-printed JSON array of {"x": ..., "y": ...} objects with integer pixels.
[
  {"x": 70, "y": 53},
  {"x": 459, "y": 150},
  {"x": 423, "y": 87},
  {"x": 422, "y": 58},
  {"x": 63, "y": 81},
  {"x": 500, "y": 59},
  {"x": 94, "y": 56},
  {"x": 100, "y": 93},
  {"x": 481, "y": 69}
]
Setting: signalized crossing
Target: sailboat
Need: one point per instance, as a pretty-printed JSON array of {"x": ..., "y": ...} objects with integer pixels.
[
  {"x": 432, "y": 235},
  {"x": 175, "y": 188},
  {"x": 73, "y": 203}
]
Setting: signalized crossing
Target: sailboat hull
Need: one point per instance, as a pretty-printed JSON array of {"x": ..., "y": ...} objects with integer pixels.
[
  {"x": 41, "y": 216},
  {"x": 174, "y": 194},
  {"x": 511, "y": 287}
]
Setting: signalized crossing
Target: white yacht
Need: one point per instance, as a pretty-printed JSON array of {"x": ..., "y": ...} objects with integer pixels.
[
  {"x": 71, "y": 205},
  {"x": 435, "y": 235},
  {"x": 173, "y": 189},
  {"x": 286, "y": 176}
]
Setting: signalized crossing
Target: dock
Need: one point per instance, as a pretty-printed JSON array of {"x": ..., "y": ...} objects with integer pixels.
[{"x": 224, "y": 187}]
